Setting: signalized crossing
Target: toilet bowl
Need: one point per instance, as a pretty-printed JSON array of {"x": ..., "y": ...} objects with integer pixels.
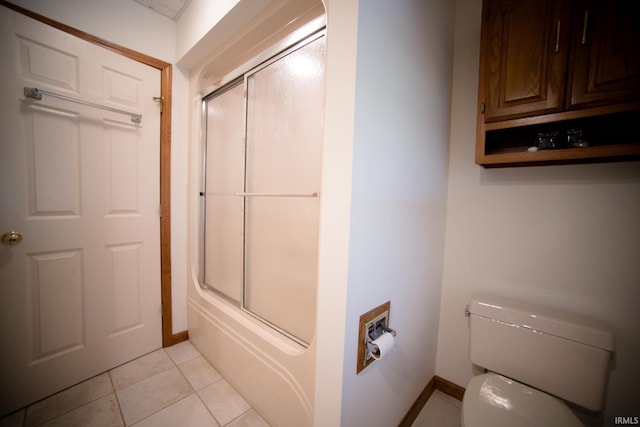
[
  {"x": 492, "y": 400},
  {"x": 538, "y": 359}
]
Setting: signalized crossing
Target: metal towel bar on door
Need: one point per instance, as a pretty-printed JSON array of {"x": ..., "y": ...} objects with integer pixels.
[
  {"x": 35, "y": 93},
  {"x": 209, "y": 193},
  {"x": 276, "y": 194}
]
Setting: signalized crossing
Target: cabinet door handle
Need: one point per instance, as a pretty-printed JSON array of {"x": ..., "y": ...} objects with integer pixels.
[
  {"x": 558, "y": 37},
  {"x": 584, "y": 27}
]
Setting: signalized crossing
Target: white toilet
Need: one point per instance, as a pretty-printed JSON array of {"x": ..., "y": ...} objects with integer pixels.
[{"x": 537, "y": 358}]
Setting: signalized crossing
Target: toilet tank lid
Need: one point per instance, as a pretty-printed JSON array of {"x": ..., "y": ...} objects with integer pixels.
[{"x": 551, "y": 321}]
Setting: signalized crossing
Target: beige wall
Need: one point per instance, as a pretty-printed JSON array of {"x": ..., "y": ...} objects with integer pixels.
[
  {"x": 137, "y": 28},
  {"x": 565, "y": 236}
]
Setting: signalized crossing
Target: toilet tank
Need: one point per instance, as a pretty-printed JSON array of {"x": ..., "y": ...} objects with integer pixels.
[{"x": 561, "y": 353}]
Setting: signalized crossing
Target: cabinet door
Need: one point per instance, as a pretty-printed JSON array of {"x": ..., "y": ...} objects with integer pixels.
[
  {"x": 525, "y": 57},
  {"x": 606, "y": 45}
]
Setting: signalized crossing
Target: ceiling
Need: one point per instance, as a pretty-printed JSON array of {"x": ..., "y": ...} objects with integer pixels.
[{"x": 172, "y": 9}]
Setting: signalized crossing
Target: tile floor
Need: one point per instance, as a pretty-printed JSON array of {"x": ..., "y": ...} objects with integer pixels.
[
  {"x": 441, "y": 410},
  {"x": 170, "y": 387},
  {"x": 174, "y": 386}
]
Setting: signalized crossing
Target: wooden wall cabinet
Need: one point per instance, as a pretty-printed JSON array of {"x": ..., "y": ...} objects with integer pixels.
[{"x": 553, "y": 67}]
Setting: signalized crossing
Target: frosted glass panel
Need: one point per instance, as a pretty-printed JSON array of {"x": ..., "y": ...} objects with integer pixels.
[
  {"x": 283, "y": 156},
  {"x": 281, "y": 262},
  {"x": 223, "y": 258},
  {"x": 285, "y": 123}
]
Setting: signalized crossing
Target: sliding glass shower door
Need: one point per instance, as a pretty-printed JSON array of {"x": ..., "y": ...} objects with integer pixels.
[
  {"x": 224, "y": 178},
  {"x": 263, "y": 165}
]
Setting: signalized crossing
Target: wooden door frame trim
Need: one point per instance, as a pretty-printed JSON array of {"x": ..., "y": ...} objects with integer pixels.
[{"x": 165, "y": 68}]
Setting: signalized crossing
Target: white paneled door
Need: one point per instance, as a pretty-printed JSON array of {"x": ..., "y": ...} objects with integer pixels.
[{"x": 80, "y": 292}]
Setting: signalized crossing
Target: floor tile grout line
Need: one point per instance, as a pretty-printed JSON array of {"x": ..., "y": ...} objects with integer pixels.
[
  {"x": 168, "y": 404},
  {"x": 163, "y": 408},
  {"x": 209, "y": 385},
  {"x": 203, "y": 402},
  {"x": 207, "y": 408},
  {"x": 118, "y": 398},
  {"x": 197, "y": 355},
  {"x": 194, "y": 391},
  {"x": 115, "y": 392},
  {"x": 26, "y": 412},
  {"x": 240, "y": 415}
]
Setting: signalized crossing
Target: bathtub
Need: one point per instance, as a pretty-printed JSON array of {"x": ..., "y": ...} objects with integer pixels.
[{"x": 275, "y": 375}]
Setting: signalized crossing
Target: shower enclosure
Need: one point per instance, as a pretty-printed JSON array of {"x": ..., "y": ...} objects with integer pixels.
[{"x": 261, "y": 189}]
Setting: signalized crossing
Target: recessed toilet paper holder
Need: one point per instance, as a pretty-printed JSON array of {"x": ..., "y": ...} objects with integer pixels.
[
  {"x": 374, "y": 325},
  {"x": 371, "y": 337}
]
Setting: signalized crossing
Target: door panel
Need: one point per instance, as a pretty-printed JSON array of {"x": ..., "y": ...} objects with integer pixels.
[
  {"x": 123, "y": 270},
  {"x": 53, "y": 161},
  {"x": 56, "y": 302},
  {"x": 81, "y": 293},
  {"x": 122, "y": 159},
  {"x": 43, "y": 63}
]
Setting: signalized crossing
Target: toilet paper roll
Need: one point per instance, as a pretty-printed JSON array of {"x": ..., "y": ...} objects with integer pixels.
[{"x": 384, "y": 343}]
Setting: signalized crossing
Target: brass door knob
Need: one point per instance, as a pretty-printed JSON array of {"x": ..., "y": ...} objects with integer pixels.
[{"x": 11, "y": 238}]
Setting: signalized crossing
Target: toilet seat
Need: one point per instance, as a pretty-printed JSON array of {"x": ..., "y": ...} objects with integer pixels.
[{"x": 493, "y": 400}]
